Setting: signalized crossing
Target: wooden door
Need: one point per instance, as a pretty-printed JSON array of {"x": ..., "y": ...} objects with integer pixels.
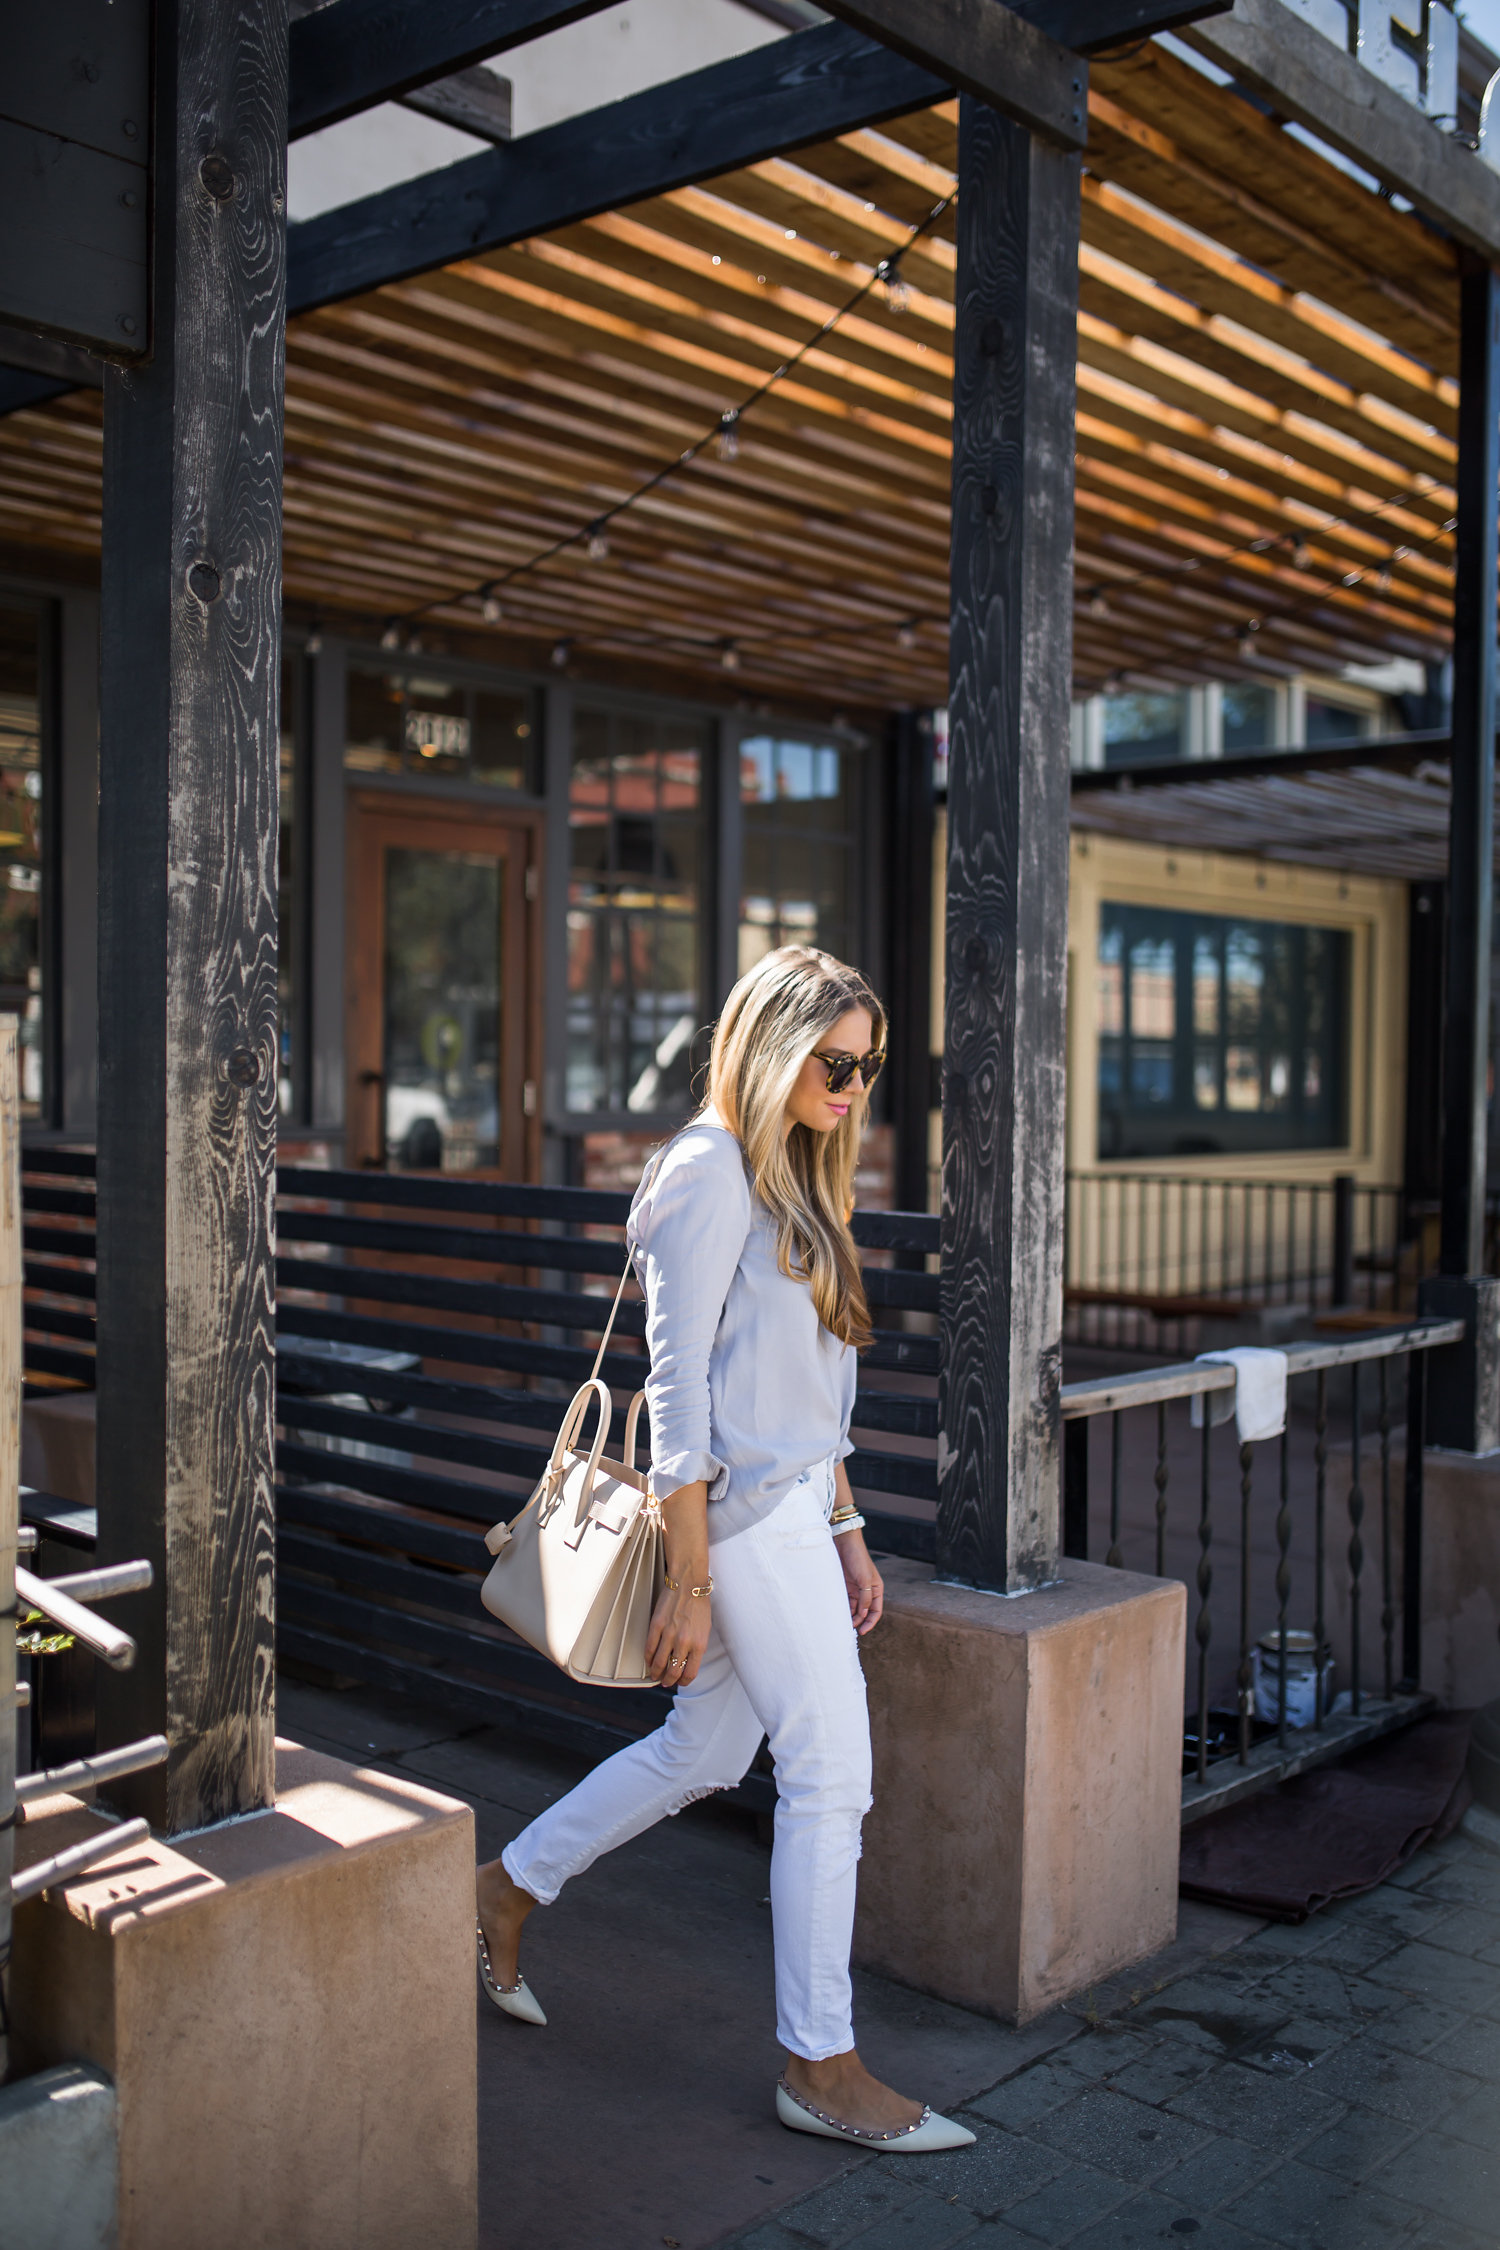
[{"x": 443, "y": 1023}]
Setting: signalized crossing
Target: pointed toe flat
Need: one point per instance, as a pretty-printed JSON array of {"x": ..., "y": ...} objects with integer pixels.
[
  {"x": 516, "y": 1999},
  {"x": 930, "y": 2131}
]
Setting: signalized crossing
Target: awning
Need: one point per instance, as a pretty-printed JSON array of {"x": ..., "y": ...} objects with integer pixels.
[{"x": 1372, "y": 808}]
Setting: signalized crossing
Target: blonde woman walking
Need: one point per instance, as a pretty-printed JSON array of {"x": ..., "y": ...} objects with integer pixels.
[{"x": 754, "y": 1313}]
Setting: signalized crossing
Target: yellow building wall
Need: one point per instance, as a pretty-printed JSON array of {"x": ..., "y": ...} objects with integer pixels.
[{"x": 1374, "y": 913}]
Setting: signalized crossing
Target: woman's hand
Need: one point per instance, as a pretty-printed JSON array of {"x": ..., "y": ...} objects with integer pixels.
[
  {"x": 681, "y": 1619},
  {"x": 865, "y": 1585}
]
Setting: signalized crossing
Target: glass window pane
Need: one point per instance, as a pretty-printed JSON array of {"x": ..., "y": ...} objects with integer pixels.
[
  {"x": 1328, "y": 720},
  {"x": 1249, "y": 717},
  {"x": 634, "y": 988},
  {"x": 502, "y": 749},
  {"x": 1218, "y": 1033},
  {"x": 443, "y": 983},
  {"x": 21, "y": 841},
  {"x": 1140, "y": 727},
  {"x": 435, "y": 728},
  {"x": 372, "y": 732}
]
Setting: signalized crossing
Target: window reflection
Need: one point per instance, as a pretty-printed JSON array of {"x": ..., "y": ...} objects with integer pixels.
[
  {"x": 634, "y": 985},
  {"x": 405, "y": 722},
  {"x": 1218, "y": 1033},
  {"x": 799, "y": 817}
]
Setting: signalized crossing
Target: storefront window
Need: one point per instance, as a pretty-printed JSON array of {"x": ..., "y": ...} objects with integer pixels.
[
  {"x": 1218, "y": 1034},
  {"x": 1140, "y": 728},
  {"x": 21, "y": 841},
  {"x": 634, "y": 984},
  {"x": 402, "y": 722},
  {"x": 1331, "y": 720},
  {"x": 1249, "y": 718},
  {"x": 800, "y": 821}
]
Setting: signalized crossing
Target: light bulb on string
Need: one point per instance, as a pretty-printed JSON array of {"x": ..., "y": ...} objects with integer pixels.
[
  {"x": 598, "y": 543},
  {"x": 1301, "y": 556},
  {"x": 391, "y": 637},
  {"x": 314, "y": 642},
  {"x": 728, "y": 441},
  {"x": 897, "y": 291},
  {"x": 490, "y": 608},
  {"x": 561, "y": 651},
  {"x": 906, "y": 635},
  {"x": 1098, "y": 604},
  {"x": 729, "y": 657}
]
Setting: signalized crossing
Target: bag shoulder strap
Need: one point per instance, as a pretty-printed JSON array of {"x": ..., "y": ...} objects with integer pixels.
[{"x": 625, "y": 1276}]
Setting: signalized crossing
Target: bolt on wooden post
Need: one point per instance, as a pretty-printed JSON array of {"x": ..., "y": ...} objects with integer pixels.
[
  {"x": 1007, "y": 903},
  {"x": 191, "y": 655}
]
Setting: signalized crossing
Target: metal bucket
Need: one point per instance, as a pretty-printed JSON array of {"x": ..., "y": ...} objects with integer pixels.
[{"x": 1301, "y": 1677}]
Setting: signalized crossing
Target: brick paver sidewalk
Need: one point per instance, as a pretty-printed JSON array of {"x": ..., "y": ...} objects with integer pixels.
[{"x": 1329, "y": 2087}]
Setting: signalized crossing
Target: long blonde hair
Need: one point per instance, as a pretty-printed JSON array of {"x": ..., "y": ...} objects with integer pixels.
[{"x": 772, "y": 1021}]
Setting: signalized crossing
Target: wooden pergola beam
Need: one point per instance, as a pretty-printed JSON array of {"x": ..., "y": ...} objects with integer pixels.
[
  {"x": 990, "y": 51},
  {"x": 778, "y": 97},
  {"x": 357, "y": 53},
  {"x": 1279, "y": 57}
]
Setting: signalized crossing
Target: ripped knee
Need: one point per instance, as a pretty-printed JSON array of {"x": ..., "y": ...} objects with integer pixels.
[{"x": 696, "y": 1796}]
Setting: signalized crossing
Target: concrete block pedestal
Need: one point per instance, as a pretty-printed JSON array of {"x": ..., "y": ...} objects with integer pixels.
[
  {"x": 285, "y": 2006},
  {"x": 1028, "y": 1757}
]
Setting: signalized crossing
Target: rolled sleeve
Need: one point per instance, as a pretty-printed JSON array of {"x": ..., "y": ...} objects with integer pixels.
[{"x": 687, "y": 1231}]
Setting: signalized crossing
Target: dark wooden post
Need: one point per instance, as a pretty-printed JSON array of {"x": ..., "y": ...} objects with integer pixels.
[
  {"x": 191, "y": 653},
  {"x": 1463, "y": 1407},
  {"x": 909, "y": 975},
  {"x": 1006, "y": 946}
]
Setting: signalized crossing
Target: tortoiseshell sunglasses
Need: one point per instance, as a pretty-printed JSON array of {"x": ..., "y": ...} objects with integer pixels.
[{"x": 841, "y": 1068}]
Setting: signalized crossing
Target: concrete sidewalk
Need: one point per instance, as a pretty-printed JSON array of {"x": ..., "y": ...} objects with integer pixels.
[
  {"x": 642, "y": 2116},
  {"x": 1330, "y": 2087}
]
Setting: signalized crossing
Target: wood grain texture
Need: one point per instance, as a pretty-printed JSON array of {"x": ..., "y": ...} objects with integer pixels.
[
  {"x": 987, "y": 50},
  {"x": 191, "y": 633},
  {"x": 1002, "y": 1216},
  {"x": 349, "y": 56},
  {"x": 795, "y": 90}
]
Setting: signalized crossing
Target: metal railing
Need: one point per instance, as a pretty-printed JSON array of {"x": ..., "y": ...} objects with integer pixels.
[
  {"x": 1288, "y": 1544},
  {"x": 1151, "y": 1257},
  {"x": 428, "y": 1326}
]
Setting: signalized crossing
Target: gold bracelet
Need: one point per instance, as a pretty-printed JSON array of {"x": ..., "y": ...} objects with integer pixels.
[{"x": 699, "y": 1593}]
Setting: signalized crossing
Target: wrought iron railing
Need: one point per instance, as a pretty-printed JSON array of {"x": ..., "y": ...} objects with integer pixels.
[
  {"x": 428, "y": 1326},
  {"x": 1315, "y": 1527}
]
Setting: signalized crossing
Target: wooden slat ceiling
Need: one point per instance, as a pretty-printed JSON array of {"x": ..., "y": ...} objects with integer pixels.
[
  {"x": 1355, "y": 820},
  {"x": 1266, "y": 420}
]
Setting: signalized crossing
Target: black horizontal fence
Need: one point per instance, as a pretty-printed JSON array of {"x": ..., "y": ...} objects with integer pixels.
[
  {"x": 429, "y": 1332},
  {"x": 1302, "y": 1554}
]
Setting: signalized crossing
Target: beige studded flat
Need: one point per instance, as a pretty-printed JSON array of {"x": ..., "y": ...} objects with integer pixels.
[
  {"x": 516, "y": 1999},
  {"x": 929, "y": 2132}
]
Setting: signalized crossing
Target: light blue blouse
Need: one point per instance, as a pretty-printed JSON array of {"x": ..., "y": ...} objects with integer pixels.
[{"x": 747, "y": 1388}]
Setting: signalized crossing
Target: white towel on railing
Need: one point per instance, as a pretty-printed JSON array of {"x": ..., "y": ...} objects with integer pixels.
[{"x": 1258, "y": 1400}]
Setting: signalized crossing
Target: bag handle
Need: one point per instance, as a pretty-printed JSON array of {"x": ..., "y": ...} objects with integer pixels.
[{"x": 631, "y": 1420}]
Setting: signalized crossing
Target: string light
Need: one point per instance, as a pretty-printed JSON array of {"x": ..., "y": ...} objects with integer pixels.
[
  {"x": 598, "y": 542},
  {"x": 906, "y": 635},
  {"x": 729, "y": 657},
  {"x": 897, "y": 290},
  {"x": 391, "y": 637},
  {"x": 727, "y": 443},
  {"x": 1301, "y": 555},
  {"x": 561, "y": 651},
  {"x": 727, "y": 426},
  {"x": 491, "y": 609},
  {"x": 314, "y": 642}
]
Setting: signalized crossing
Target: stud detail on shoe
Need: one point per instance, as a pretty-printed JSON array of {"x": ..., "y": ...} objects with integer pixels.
[{"x": 856, "y": 2132}]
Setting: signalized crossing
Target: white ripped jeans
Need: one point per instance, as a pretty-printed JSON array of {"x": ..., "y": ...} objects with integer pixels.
[{"x": 782, "y": 1660}]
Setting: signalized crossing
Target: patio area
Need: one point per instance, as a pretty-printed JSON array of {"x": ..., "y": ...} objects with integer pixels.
[{"x": 1328, "y": 2087}]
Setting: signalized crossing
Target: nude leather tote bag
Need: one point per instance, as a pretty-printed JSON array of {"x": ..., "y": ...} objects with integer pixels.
[{"x": 578, "y": 1571}]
